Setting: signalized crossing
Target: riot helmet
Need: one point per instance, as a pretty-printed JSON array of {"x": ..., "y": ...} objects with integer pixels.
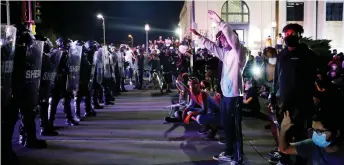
[
  {"x": 59, "y": 42},
  {"x": 67, "y": 43},
  {"x": 48, "y": 45},
  {"x": 24, "y": 36}
]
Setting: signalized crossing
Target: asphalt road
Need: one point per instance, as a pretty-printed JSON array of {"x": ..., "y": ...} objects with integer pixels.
[{"x": 132, "y": 132}]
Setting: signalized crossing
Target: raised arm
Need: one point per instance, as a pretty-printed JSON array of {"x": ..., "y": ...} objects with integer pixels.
[{"x": 212, "y": 47}]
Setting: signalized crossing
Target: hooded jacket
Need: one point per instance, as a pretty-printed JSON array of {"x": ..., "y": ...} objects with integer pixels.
[{"x": 295, "y": 75}]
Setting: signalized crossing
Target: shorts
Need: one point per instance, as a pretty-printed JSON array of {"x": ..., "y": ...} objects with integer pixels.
[{"x": 279, "y": 47}]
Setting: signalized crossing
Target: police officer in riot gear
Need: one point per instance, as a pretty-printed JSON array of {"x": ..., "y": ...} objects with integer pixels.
[
  {"x": 8, "y": 39},
  {"x": 59, "y": 90},
  {"x": 92, "y": 52},
  {"x": 83, "y": 91},
  {"x": 48, "y": 73},
  {"x": 108, "y": 78},
  {"x": 26, "y": 79}
]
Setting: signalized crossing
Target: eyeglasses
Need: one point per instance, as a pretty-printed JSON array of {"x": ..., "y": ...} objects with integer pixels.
[{"x": 320, "y": 131}]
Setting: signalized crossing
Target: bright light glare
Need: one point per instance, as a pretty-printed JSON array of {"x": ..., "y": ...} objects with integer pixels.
[
  {"x": 256, "y": 70},
  {"x": 0, "y": 42},
  {"x": 178, "y": 31},
  {"x": 100, "y": 16},
  {"x": 147, "y": 27}
]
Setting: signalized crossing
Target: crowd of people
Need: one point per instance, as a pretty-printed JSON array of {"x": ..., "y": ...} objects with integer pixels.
[{"x": 215, "y": 85}]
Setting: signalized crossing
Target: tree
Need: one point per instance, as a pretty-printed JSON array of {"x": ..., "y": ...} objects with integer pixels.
[
  {"x": 321, "y": 48},
  {"x": 51, "y": 34}
]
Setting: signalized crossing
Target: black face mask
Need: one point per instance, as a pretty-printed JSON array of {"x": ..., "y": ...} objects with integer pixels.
[{"x": 291, "y": 41}]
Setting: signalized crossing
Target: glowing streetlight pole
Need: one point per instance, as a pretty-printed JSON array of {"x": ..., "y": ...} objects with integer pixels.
[
  {"x": 147, "y": 29},
  {"x": 99, "y": 16}
]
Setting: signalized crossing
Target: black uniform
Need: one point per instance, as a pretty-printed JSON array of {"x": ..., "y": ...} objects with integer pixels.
[
  {"x": 26, "y": 78},
  {"x": 59, "y": 90}
]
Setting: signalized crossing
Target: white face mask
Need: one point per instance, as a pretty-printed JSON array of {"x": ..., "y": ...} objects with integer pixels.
[{"x": 272, "y": 61}]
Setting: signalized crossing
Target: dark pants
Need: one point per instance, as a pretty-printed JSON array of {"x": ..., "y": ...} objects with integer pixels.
[
  {"x": 231, "y": 120},
  {"x": 97, "y": 88},
  {"x": 139, "y": 79},
  {"x": 57, "y": 94},
  {"x": 108, "y": 89},
  {"x": 83, "y": 91}
]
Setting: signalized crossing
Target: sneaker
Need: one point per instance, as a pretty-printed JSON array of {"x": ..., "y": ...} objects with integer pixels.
[
  {"x": 222, "y": 141},
  {"x": 275, "y": 158},
  {"x": 203, "y": 131},
  {"x": 272, "y": 152},
  {"x": 223, "y": 157}
]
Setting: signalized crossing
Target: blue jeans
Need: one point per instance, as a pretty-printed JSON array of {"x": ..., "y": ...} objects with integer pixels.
[
  {"x": 231, "y": 121},
  {"x": 210, "y": 118}
]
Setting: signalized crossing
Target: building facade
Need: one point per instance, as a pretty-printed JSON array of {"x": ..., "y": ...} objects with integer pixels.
[{"x": 255, "y": 20}]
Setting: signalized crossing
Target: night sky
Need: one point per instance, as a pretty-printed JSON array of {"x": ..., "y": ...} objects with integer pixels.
[{"x": 77, "y": 20}]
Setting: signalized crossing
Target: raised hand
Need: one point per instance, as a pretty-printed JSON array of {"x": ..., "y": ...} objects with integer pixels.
[
  {"x": 286, "y": 122},
  {"x": 214, "y": 17}
]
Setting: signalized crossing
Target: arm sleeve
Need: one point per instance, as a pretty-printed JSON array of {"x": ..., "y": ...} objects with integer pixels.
[
  {"x": 191, "y": 104},
  {"x": 212, "y": 47},
  {"x": 304, "y": 148}
]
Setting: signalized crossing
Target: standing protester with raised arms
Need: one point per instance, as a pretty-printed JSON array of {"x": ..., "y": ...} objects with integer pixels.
[{"x": 233, "y": 56}]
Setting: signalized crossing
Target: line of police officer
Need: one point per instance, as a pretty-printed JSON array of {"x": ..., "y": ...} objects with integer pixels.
[{"x": 36, "y": 76}]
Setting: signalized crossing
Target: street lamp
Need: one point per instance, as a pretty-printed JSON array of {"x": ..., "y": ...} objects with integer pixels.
[
  {"x": 99, "y": 16},
  {"x": 132, "y": 40},
  {"x": 273, "y": 25},
  {"x": 213, "y": 25},
  {"x": 147, "y": 29},
  {"x": 179, "y": 33}
]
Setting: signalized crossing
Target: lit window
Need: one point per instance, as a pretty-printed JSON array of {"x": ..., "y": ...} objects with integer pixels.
[{"x": 235, "y": 12}]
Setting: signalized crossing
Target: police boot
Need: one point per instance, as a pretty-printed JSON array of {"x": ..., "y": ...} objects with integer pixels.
[
  {"x": 77, "y": 109},
  {"x": 68, "y": 112},
  {"x": 122, "y": 86},
  {"x": 29, "y": 129},
  {"x": 53, "y": 102},
  {"x": 45, "y": 127},
  {"x": 95, "y": 102},
  {"x": 89, "y": 111}
]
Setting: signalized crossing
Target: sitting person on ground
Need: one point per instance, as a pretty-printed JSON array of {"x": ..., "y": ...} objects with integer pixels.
[
  {"x": 264, "y": 92},
  {"x": 205, "y": 86},
  {"x": 326, "y": 146},
  {"x": 251, "y": 100},
  {"x": 209, "y": 113}
]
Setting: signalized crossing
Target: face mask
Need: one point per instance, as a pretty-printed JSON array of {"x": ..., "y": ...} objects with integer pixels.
[
  {"x": 291, "y": 41},
  {"x": 320, "y": 140}
]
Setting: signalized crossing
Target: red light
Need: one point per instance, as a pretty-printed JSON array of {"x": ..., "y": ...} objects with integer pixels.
[{"x": 38, "y": 4}]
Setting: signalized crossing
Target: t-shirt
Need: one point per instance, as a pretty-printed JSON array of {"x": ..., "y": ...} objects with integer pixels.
[
  {"x": 254, "y": 104},
  {"x": 316, "y": 155},
  {"x": 279, "y": 40}
]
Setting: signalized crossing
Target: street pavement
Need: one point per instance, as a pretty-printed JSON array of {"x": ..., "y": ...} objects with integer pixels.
[{"x": 132, "y": 132}]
